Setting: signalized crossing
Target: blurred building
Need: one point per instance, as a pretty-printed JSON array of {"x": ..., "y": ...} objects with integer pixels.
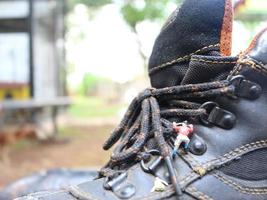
[
  {"x": 31, "y": 49},
  {"x": 32, "y": 65}
]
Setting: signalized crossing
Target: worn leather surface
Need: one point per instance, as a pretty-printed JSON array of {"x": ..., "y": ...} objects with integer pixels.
[
  {"x": 226, "y": 188},
  {"x": 51, "y": 180},
  {"x": 248, "y": 135},
  {"x": 223, "y": 146}
]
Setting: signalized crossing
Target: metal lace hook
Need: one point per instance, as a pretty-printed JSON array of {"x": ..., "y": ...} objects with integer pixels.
[
  {"x": 152, "y": 165},
  {"x": 237, "y": 78},
  {"x": 208, "y": 106}
]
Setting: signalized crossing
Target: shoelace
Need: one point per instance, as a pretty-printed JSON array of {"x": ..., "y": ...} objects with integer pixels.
[{"x": 146, "y": 119}]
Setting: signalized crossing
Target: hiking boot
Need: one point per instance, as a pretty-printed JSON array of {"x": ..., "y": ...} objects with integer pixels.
[{"x": 199, "y": 133}]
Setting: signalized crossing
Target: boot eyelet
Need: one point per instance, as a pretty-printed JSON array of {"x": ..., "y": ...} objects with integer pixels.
[
  {"x": 150, "y": 166},
  {"x": 236, "y": 80},
  {"x": 255, "y": 92},
  {"x": 208, "y": 106},
  {"x": 228, "y": 121},
  {"x": 119, "y": 186},
  {"x": 197, "y": 146},
  {"x": 110, "y": 184},
  {"x": 217, "y": 116},
  {"x": 249, "y": 90}
]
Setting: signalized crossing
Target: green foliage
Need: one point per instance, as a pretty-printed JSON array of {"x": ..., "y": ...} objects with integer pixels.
[
  {"x": 88, "y": 83},
  {"x": 152, "y": 10},
  {"x": 89, "y": 3},
  {"x": 133, "y": 11},
  {"x": 93, "y": 107},
  {"x": 252, "y": 12}
]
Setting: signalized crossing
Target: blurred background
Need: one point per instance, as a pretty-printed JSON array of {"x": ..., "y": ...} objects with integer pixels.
[{"x": 68, "y": 70}]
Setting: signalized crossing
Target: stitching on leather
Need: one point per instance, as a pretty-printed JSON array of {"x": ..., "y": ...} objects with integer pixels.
[
  {"x": 228, "y": 156},
  {"x": 76, "y": 192},
  {"x": 169, "y": 191},
  {"x": 191, "y": 159},
  {"x": 198, "y": 194},
  {"x": 187, "y": 177},
  {"x": 213, "y": 62},
  {"x": 212, "y": 164},
  {"x": 237, "y": 69},
  {"x": 251, "y": 64},
  {"x": 38, "y": 195},
  {"x": 235, "y": 153},
  {"x": 259, "y": 67},
  {"x": 240, "y": 188},
  {"x": 186, "y": 57}
]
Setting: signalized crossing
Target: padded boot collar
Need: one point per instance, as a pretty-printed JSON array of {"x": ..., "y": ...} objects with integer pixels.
[{"x": 197, "y": 27}]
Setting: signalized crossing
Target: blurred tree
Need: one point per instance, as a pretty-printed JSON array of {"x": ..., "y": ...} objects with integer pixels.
[
  {"x": 89, "y": 3},
  {"x": 134, "y": 12},
  {"x": 88, "y": 83},
  {"x": 251, "y": 11}
]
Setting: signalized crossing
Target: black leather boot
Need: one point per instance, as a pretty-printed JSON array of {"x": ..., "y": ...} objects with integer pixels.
[{"x": 200, "y": 132}]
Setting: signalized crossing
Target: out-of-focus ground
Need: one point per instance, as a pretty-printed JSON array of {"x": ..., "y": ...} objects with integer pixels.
[
  {"x": 85, "y": 133},
  {"x": 83, "y": 151}
]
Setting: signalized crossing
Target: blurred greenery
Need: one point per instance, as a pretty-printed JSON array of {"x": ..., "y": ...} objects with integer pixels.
[
  {"x": 93, "y": 107},
  {"x": 252, "y": 11},
  {"x": 134, "y": 12},
  {"x": 257, "y": 6},
  {"x": 150, "y": 10},
  {"x": 89, "y": 3},
  {"x": 89, "y": 83}
]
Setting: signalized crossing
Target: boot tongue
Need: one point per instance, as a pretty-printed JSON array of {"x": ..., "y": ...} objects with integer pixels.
[
  {"x": 198, "y": 27},
  {"x": 208, "y": 68}
]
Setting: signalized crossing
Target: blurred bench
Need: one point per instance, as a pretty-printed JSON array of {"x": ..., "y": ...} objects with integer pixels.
[{"x": 41, "y": 115}]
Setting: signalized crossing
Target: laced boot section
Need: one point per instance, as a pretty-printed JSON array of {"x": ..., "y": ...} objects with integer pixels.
[{"x": 148, "y": 123}]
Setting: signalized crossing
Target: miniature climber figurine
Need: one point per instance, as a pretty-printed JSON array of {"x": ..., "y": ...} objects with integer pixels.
[{"x": 184, "y": 130}]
